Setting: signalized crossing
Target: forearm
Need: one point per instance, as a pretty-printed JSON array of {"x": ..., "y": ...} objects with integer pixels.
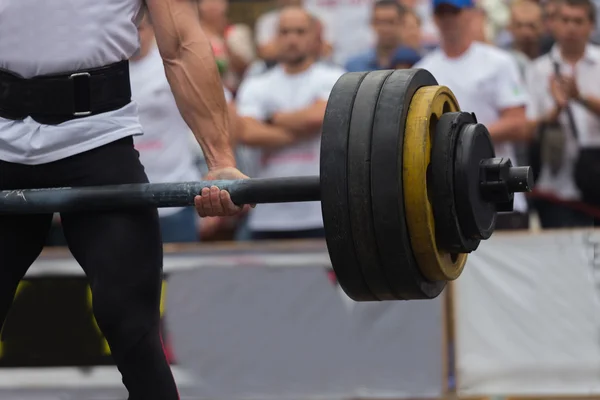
[
  {"x": 258, "y": 134},
  {"x": 590, "y": 103},
  {"x": 198, "y": 91},
  {"x": 268, "y": 51},
  {"x": 509, "y": 129},
  {"x": 308, "y": 120}
]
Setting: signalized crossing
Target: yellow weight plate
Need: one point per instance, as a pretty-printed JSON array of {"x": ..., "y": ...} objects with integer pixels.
[{"x": 426, "y": 107}]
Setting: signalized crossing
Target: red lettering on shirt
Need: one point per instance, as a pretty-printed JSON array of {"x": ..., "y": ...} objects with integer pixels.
[
  {"x": 288, "y": 158},
  {"x": 149, "y": 145}
]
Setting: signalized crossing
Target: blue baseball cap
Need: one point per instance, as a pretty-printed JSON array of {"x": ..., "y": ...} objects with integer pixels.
[{"x": 454, "y": 3}]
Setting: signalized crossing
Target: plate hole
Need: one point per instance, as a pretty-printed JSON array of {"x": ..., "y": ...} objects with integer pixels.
[
  {"x": 429, "y": 177},
  {"x": 447, "y": 108}
]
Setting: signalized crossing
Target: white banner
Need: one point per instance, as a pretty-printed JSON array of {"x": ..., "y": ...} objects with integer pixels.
[
  {"x": 527, "y": 316},
  {"x": 252, "y": 322}
]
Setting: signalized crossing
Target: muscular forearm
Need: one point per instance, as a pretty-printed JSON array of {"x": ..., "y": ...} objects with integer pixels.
[
  {"x": 308, "y": 120},
  {"x": 235, "y": 124},
  {"x": 259, "y": 134},
  {"x": 509, "y": 129},
  {"x": 591, "y": 103},
  {"x": 198, "y": 91}
]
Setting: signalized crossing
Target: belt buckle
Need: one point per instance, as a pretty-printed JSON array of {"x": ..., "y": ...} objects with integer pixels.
[{"x": 76, "y": 77}]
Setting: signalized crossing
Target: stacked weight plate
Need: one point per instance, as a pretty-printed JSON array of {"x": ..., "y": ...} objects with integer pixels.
[{"x": 377, "y": 212}]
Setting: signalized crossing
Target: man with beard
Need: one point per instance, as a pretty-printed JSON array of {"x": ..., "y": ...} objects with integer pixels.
[
  {"x": 283, "y": 112},
  {"x": 527, "y": 29}
]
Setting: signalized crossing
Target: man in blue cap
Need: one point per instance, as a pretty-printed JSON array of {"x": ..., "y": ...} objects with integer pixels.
[
  {"x": 486, "y": 81},
  {"x": 386, "y": 21}
]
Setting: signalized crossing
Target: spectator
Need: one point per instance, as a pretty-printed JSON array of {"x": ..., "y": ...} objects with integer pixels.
[
  {"x": 284, "y": 110},
  {"x": 240, "y": 43},
  {"x": 410, "y": 33},
  {"x": 387, "y": 18},
  {"x": 265, "y": 30},
  {"x": 527, "y": 28},
  {"x": 482, "y": 31},
  {"x": 404, "y": 58},
  {"x": 575, "y": 91},
  {"x": 231, "y": 44},
  {"x": 429, "y": 32},
  {"x": 496, "y": 15},
  {"x": 550, "y": 10},
  {"x": 321, "y": 50},
  {"x": 486, "y": 81}
]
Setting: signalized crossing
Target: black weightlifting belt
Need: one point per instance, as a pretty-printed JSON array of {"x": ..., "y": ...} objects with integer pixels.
[{"x": 53, "y": 99}]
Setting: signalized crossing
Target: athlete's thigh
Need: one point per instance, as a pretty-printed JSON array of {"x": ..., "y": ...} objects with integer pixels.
[
  {"x": 114, "y": 246},
  {"x": 22, "y": 237}
]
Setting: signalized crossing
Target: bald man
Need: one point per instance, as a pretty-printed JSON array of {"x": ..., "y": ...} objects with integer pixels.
[{"x": 283, "y": 112}]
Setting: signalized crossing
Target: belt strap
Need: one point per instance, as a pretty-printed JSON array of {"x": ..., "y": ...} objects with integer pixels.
[{"x": 56, "y": 98}]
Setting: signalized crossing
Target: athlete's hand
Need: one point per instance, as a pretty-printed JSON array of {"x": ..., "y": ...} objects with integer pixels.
[{"x": 213, "y": 202}]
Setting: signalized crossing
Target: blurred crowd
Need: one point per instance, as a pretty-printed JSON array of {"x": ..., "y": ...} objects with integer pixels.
[{"x": 529, "y": 70}]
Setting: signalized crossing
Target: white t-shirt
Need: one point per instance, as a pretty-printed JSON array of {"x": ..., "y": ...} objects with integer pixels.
[
  {"x": 165, "y": 149},
  {"x": 541, "y": 103},
  {"x": 485, "y": 80},
  {"x": 43, "y": 37},
  {"x": 277, "y": 91}
]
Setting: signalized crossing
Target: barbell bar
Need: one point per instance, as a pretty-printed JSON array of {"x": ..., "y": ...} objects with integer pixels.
[
  {"x": 161, "y": 195},
  {"x": 379, "y": 188}
]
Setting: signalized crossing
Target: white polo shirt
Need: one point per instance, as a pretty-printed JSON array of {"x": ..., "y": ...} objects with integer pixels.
[
  {"x": 485, "y": 80},
  {"x": 277, "y": 91},
  {"x": 44, "y": 37},
  {"x": 587, "y": 72},
  {"x": 165, "y": 147}
]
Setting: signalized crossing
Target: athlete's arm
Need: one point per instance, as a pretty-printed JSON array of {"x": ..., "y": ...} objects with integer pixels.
[{"x": 192, "y": 73}]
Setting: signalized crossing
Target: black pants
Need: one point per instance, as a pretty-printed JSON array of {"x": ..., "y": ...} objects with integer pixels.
[
  {"x": 554, "y": 215},
  {"x": 120, "y": 252}
]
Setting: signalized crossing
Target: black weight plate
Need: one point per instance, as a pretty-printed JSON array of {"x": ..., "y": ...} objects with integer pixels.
[
  {"x": 359, "y": 184},
  {"x": 477, "y": 217},
  {"x": 334, "y": 187},
  {"x": 387, "y": 193},
  {"x": 448, "y": 234}
]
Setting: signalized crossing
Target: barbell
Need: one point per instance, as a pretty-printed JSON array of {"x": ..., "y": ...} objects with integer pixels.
[{"x": 409, "y": 185}]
